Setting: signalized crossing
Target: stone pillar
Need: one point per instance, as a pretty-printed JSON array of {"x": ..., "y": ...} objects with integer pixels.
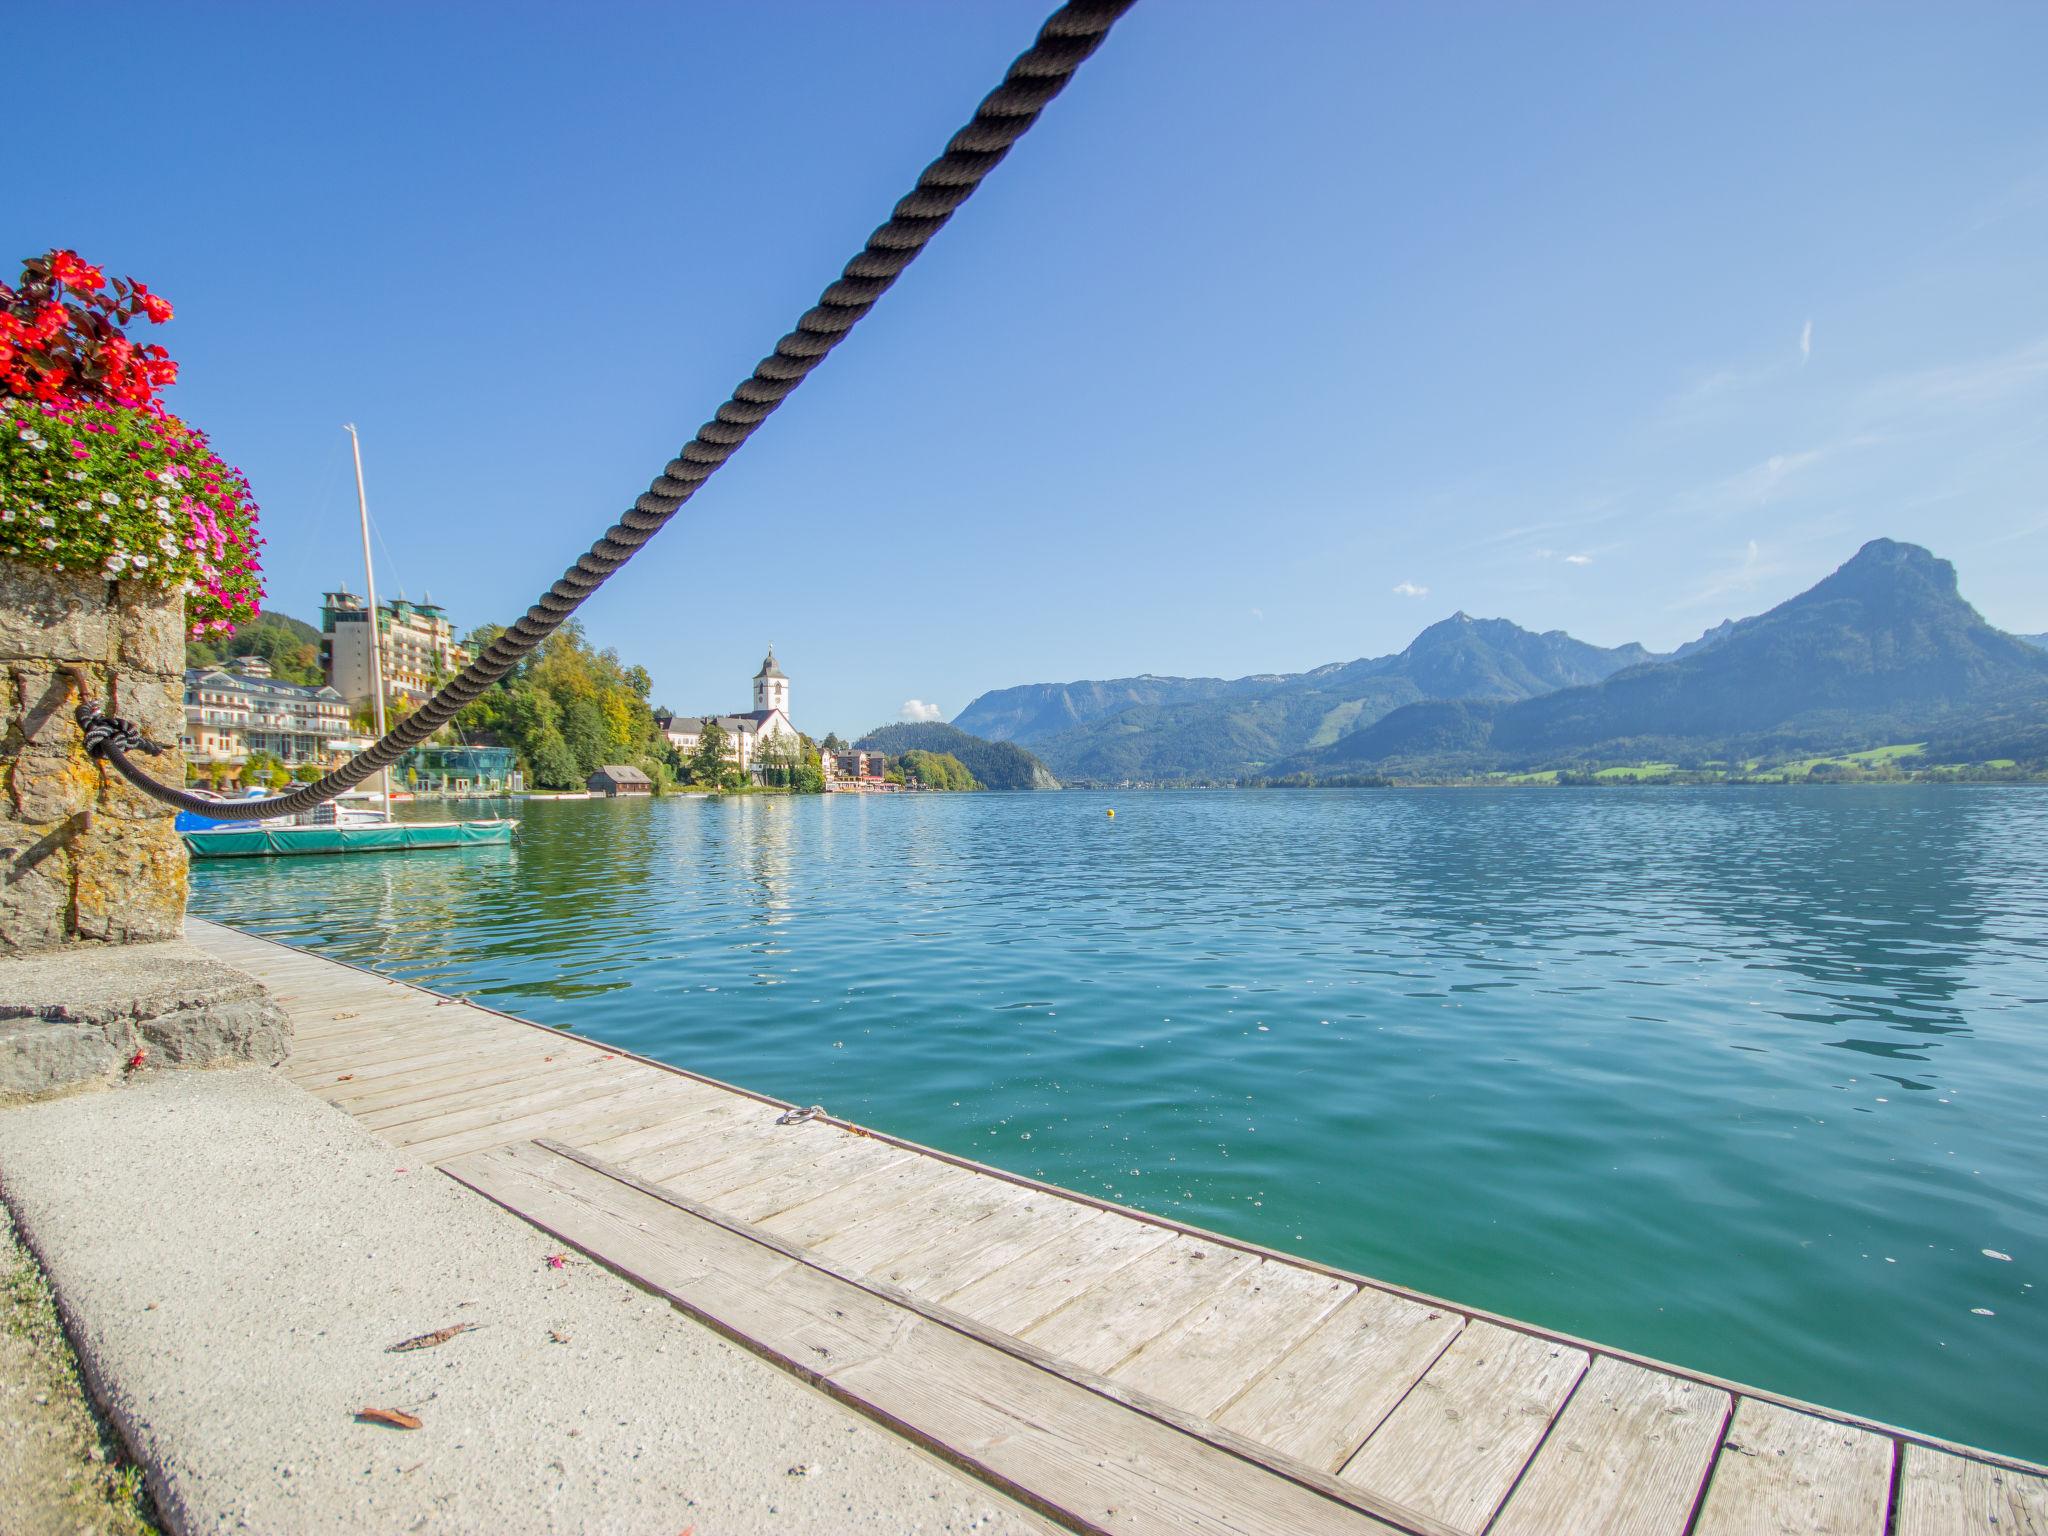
[{"x": 87, "y": 861}]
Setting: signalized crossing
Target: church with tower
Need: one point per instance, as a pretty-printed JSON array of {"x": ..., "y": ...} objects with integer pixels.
[{"x": 745, "y": 735}]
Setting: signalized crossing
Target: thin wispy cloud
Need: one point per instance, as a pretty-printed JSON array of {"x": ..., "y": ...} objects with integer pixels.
[
  {"x": 1578, "y": 559},
  {"x": 1754, "y": 567},
  {"x": 918, "y": 710},
  {"x": 1409, "y": 589},
  {"x": 1806, "y": 344},
  {"x": 1259, "y": 614}
]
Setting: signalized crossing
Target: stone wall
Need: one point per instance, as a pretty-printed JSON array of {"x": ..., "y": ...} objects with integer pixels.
[{"x": 84, "y": 855}]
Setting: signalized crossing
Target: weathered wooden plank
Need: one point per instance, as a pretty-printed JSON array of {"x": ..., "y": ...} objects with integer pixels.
[
  {"x": 1628, "y": 1455},
  {"x": 367, "y": 1096},
  {"x": 1034, "y": 1285},
  {"x": 1944, "y": 1495},
  {"x": 409, "y": 1053},
  {"x": 950, "y": 1204},
  {"x": 848, "y": 1159},
  {"x": 634, "y": 1111},
  {"x": 695, "y": 1120},
  {"x": 505, "y": 1093},
  {"x": 1782, "y": 1473},
  {"x": 780, "y": 1150},
  {"x": 1028, "y": 1431},
  {"x": 742, "y": 1130},
  {"x": 1203, "y": 1361},
  {"x": 1332, "y": 1389},
  {"x": 944, "y": 1264},
  {"x": 522, "y": 1100},
  {"x": 811, "y": 1222},
  {"x": 379, "y": 1045},
  {"x": 1455, "y": 1444},
  {"x": 548, "y": 1121},
  {"x": 1112, "y": 1320}
]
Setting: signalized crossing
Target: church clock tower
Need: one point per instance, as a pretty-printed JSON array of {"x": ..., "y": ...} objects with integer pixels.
[{"x": 771, "y": 686}]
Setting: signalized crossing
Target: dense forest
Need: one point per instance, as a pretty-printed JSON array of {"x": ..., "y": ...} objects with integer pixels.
[
  {"x": 992, "y": 764},
  {"x": 936, "y": 770}
]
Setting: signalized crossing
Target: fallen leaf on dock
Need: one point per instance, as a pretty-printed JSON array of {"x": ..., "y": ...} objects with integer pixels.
[
  {"x": 558, "y": 1336},
  {"x": 346, "y": 1077},
  {"x": 344, "y": 1016},
  {"x": 397, "y": 1418},
  {"x": 429, "y": 1340}
]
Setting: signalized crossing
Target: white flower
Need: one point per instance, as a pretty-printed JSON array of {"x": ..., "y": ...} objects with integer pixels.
[
  {"x": 116, "y": 564},
  {"x": 49, "y": 543},
  {"x": 110, "y": 498},
  {"x": 164, "y": 518},
  {"x": 83, "y": 506},
  {"x": 76, "y": 474},
  {"x": 141, "y": 561},
  {"x": 6, "y": 516},
  {"x": 104, "y": 518},
  {"x": 47, "y": 522},
  {"x": 163, "y": 501}
]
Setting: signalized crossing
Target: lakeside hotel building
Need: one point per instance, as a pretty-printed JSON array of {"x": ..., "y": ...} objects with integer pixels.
[{"x": 415, "y": 642}]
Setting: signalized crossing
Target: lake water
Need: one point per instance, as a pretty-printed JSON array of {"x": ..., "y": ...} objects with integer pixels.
[{"x": 1745, "y": 1079}]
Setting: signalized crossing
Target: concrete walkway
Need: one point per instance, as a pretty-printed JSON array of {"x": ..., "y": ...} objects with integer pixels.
[{"x": 235, "y": 1258}]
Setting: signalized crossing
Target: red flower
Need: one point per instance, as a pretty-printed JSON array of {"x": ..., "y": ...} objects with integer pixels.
[
  {"x": 68, "y": 268},
  {"x": 158, "y": 309}
]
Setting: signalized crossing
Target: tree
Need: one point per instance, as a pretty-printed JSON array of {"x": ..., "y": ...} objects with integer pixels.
[
  {"x": 808, "y": 777},
  {"x": 707, "y": 764},
  {"x": 778, "y": 758},
  {"x": 553, "y": 764},
  {"x": 833, "y": 743}
]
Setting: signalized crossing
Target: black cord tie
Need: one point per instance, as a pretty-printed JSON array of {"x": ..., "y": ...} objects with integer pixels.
[{"x": 110, "y": 735}]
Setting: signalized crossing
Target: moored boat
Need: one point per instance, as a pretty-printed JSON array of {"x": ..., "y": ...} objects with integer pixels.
[{"x": 242, "y": 840}]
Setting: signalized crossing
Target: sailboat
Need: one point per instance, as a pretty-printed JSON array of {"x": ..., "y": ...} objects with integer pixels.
[{"x": 345, "y": 824}]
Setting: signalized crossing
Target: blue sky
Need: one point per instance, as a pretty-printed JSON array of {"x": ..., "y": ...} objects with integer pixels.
[{"x": 1289, "y": 330}]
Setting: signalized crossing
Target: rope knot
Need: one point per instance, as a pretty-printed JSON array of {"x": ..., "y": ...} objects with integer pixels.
[{"x": 104, "y": 732}]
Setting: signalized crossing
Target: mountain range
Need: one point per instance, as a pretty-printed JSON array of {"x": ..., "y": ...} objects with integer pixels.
[{"x": 1884, "y": 650}]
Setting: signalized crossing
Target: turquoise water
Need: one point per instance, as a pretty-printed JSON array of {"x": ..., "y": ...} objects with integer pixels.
[{"x": 1746, "y": 1079}]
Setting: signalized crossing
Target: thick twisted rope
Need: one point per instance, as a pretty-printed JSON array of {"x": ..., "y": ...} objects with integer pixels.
[{"x": 1005, "y": 114}]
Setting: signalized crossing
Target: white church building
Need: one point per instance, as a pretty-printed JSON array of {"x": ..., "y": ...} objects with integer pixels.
[{"x": 745, "y": 735}]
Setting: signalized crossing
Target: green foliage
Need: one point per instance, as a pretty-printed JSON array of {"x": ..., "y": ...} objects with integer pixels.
[
  {"x": 936, "y": 770},
  {"x": 291, "y": 646},
  {"x": 993, "y": 764},
  {"x": 708, "y": 765},
  {"x": 567, "y": 710},
  {"x": 266, "y": 770}
]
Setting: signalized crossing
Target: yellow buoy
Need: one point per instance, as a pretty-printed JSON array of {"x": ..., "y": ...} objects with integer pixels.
[{"x": 1112, "y": 815}]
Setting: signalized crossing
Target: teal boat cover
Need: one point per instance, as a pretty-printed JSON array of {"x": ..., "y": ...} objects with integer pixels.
[{"x": 399, "y": 837}]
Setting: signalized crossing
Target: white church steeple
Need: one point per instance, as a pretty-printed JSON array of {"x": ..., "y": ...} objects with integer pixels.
[{"x": 771, "y": 686}]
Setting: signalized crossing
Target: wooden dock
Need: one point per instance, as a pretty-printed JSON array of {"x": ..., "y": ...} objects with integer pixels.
[{"x": 1115, "y": 1370}]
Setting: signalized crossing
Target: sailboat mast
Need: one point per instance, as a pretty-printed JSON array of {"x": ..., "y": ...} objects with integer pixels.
[{"x": 370, "y": 581}]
